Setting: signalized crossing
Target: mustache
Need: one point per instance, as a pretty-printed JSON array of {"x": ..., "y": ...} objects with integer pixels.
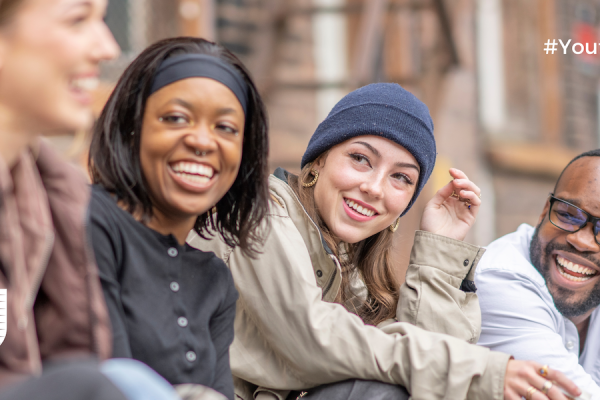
[{"x": 550, "y": 247}]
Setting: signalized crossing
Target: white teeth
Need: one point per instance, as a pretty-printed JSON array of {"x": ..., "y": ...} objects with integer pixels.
[
  {"x": 193, "y": 169},
  {"x": 87, "y": 84},
  {"x": 580, "y": 269},
  {"x": 363, "y": 210},
  {"x": 194, "y": 178}
]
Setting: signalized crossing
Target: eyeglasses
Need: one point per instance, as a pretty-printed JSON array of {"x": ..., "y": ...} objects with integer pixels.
[{"x": 571, "y": 218}]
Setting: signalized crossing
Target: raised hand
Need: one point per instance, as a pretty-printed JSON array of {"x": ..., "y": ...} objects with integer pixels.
[{"x": 454, "y": 207}]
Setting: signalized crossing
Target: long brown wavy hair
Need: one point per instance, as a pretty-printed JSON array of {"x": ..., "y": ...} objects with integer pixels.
[{"x": 370, "y": 257}]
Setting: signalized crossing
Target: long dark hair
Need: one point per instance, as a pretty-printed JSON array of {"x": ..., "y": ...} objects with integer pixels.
[
  {"x": 8, "y": 9},
  {"x": 370, "y": 258},
  {"x": 114, "y": 159}
]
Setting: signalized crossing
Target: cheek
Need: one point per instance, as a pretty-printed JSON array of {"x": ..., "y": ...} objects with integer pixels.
[
  {"x": 152, "y": 152},
  {"x": 397, "y": 201},
  {"x": 231, "y": 159},
  {"x": 344, "y": 178}
]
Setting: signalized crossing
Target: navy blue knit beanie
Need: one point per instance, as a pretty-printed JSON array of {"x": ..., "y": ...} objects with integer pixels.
[{"x": 380, "y": 109}]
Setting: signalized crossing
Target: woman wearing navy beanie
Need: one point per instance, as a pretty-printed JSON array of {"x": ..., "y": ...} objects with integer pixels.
[{"x": 320, "y": 315}]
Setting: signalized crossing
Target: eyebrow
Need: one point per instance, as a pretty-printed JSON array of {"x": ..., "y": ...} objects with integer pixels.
[
  {"x": 80, "y": 3},
  {"x": 575, "y": 202},
  {"x": 378, "y": 154},
  {"x": 190, "y": 106}
]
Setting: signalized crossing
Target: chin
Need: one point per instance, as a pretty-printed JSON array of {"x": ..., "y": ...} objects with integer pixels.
[
  {"x": 191, "y": 209},
  {"x": 72, "y": 123},
  {"x": 351, "y": 236}
]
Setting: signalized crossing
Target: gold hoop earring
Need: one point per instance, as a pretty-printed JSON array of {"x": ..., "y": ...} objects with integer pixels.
[
  {"x": 312, "y": 183},
  {"x": 394, "y": 226}
]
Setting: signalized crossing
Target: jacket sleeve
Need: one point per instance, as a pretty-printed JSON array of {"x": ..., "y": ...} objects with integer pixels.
[
  {"x": 288, "y": 338},
  {"x": 106, "y": 245},
  {"x": 438, "y": 293}
]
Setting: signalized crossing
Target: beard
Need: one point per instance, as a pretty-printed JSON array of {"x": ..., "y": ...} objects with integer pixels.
[{"x": 560, "y": 295}]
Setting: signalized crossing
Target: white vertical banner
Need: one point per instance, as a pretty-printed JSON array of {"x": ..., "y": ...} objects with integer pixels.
[
  {"x": 329, "y": 52},
  {"x": 3, "y": 311},
  {"x": 490, "y": 66}
]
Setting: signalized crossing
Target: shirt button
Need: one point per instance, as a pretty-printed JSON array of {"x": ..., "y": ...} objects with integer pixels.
[
  {"x": 172, "y": 252},
  {"x": 174, "y": 286},
  {"x": 466, "y": 262},
  {"x": 570, "y": 345},
  {"x": 190, "y": 356},
  {"x": 182, "y": 322},
  {"x": 319, "y": 273}
]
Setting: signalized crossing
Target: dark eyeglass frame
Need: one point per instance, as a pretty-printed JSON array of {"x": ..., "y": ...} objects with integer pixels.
[{"x": 590, "y": 218}]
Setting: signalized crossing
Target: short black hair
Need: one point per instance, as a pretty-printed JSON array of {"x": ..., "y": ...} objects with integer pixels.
[
  {"x": 114, "y": 159},
  {"x": 590, "y": 153}
]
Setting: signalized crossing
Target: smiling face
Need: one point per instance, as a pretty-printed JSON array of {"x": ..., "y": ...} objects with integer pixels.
[
  {"x": 570, "y": 262},
  {"x": 364, "y": 184},
  {"x": 49, "y": 56},
  {"x": 191, "y": 146}
]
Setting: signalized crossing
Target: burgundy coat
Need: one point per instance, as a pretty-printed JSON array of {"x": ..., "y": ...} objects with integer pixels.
[{"x": 55, "y": 304}]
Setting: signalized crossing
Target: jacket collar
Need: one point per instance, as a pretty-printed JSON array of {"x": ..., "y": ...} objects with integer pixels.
[{"x": 283, "y": 175}]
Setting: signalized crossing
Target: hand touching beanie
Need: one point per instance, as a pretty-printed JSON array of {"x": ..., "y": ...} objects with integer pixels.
[{"x": 380, "y": 109}]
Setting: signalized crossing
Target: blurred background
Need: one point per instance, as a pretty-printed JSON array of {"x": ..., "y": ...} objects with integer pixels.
[{"x": 505, "y": 112}]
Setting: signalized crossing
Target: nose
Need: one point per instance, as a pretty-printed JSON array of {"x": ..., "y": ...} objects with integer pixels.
[
  {"x": 583, "y": 240},
  {"x": 373, "y": 186},
  {"x": 106, "y": 47},
  {"x": 201, "y": 137}
]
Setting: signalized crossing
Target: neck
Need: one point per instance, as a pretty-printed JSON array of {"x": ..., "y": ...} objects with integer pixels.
[
  {"x": 14, "y": 139},
  {"x": 180, "y": 227}
]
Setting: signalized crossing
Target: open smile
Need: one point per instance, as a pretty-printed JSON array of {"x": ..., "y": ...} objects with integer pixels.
[
  {"x": 572, "y": 271},
  {"x": 83, "y": 86},
  {"x": 192, "y": 175},
  {"x": 359, "y": 211}
]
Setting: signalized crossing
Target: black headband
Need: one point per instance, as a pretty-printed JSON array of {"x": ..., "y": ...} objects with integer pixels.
[{"x": 201, "y": 66}]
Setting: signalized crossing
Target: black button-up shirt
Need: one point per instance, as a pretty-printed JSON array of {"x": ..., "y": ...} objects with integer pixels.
[{"x": 171, "y": 306}]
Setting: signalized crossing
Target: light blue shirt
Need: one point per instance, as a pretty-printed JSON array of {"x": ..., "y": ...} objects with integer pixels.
[{"x": 519, "y": 316}]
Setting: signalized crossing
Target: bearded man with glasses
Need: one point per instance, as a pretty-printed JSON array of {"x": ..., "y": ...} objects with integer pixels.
[{"x": 539, "y": 289}]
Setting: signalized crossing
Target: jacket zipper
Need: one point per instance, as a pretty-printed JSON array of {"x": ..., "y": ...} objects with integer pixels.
[
  {"x": 330, "y": 283},
  {"x": 333, "y": 258}
]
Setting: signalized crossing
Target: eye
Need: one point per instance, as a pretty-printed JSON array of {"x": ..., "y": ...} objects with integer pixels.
[
  {"x": 568, "y": 216},
  {"x": 174, "y": 119},
  {"x": 227, "y": 129},
  {"x": 403, "y": 177},
  {"x": 360, "y": 158},
  {"x": 78, "y": 15}
]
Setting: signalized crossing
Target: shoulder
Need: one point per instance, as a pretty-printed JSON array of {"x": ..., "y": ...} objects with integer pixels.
[
  {"x": 510, "y": 254},
  {"x": 105, "y": 215},
  {"x": 506, "y": 269},
  {"x": 101, "y": 201},
  {"x": 207, "y": 260},
  {"x": 281, "y": 198},
  {"x": 214, "y": 269}
]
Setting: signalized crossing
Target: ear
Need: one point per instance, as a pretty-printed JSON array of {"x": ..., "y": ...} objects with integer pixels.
[
  {"x": 544, "y": 211},
  {"x": 319, "y": 162}
]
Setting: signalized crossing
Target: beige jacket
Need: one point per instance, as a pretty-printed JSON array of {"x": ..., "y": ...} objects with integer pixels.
[{"x": 289, "y": 335}]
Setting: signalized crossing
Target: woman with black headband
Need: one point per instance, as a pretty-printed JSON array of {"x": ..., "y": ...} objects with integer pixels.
[{"x": 180, "y": 145}]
